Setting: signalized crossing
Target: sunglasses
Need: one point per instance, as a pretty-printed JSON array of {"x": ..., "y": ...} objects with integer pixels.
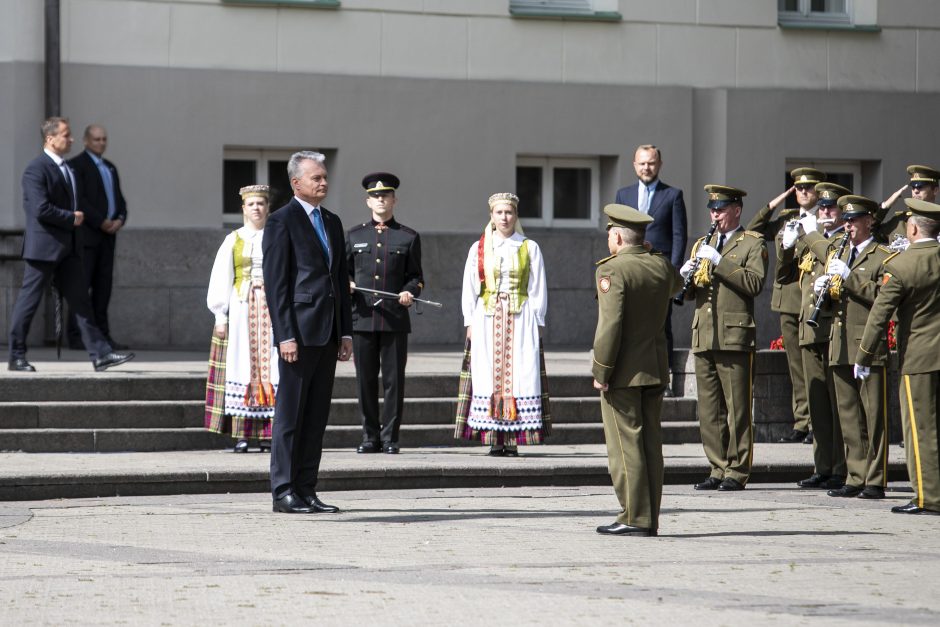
[{"x": 805, "y": 188}]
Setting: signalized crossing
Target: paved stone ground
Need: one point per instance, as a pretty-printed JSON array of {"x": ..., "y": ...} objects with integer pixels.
[{"x": 773, "y": 554}]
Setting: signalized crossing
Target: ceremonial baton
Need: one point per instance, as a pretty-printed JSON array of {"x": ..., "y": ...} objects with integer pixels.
[{"x": 395, "y": 296}]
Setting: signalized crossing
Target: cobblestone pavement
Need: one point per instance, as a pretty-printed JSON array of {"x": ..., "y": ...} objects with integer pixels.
[{"x": 772, "y": 554}]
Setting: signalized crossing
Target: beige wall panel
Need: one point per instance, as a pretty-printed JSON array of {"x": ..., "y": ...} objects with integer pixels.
[
  {"x": 496, "y": 8},
  {"x": 609, "y": 53},
  {"x": 928, "y": 60},
  {"x": 414, "y": 6},
  {"x": 331, "y": 42},
  {"x": 881, "y": 61},
  {"x": 528, "y": 50},
  {"x": 738, "y": 12},
  {"x": 21, "y": 113},
  {"x": 776, "y": 58},
  {"x": 907, "y": 13},
  {"x": 696, "y": 56},
  {"x": 228, "y": 37},
  {"x": 666, "y": 11},
  {"x": 129, "y": 33},
  {"x": 426, "y": 46},
  {"x": 21, "y": 30}
]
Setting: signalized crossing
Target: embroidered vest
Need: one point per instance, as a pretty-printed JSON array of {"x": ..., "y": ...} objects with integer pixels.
[
  {"x": 242, "y": 265},
  {"x": 518, "y": 281}
]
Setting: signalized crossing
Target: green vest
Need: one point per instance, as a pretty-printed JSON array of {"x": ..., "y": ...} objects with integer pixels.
[
  {"x": 242, "y": 265},
  {"x": 518, "y": 283}
]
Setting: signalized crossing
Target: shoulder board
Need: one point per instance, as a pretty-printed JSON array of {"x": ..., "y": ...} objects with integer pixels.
[
  {"x": 885, "y": 249},
  {"x": 604, "y": 260},
  {"x": 891, "y": 257},
  {"x": 787, "y": 213},
  {"x": 754, "y": 234}
]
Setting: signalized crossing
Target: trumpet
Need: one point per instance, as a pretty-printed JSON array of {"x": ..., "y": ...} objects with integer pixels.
[
  {"x": 824, "y": 294},
  {"x": 679, "y": 299}
]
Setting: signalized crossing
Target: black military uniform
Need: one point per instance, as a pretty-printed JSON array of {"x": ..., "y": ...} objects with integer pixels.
[{"x": 383, "y": 256}]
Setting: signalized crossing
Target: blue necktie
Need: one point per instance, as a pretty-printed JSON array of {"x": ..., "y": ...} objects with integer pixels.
[
  {"x": 108, "y": 187},
  {"x": 644, "y": 199},
  {"x": 321, "y": 231}
]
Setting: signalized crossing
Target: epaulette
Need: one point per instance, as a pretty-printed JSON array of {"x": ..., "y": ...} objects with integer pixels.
[
  {"x": 887, "y": 259},
  {"x": 885, "y": 249},
  {"x": 787, "y": 213},
  {"x": 754, "y": 234},
  {"x": 604, "y": 259}
]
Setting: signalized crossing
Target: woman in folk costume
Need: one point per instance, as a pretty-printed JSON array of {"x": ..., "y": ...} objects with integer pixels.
[
  {"x": 503, "y": 399},
  {"x": 243, "y": 371}
]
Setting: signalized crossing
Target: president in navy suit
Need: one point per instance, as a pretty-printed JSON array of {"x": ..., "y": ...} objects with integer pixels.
[
  {"x": 668, "y": 233},
  {"x": 52, "y": 247},
  {"x": 306, "y": 283}
]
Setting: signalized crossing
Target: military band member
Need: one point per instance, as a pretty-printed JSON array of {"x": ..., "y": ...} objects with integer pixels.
[
  {"x": 786, "y": 297},
  {"x": 910, "y": 288},
  {"x": 798, "y": 264},
  {"x": 924, "y": 184},
  {"x": 631, "y": 366},
  {"x": 852, "y": 281},
  {"x": 729, "y": 272},
  {"x": 384, "y": 255}
]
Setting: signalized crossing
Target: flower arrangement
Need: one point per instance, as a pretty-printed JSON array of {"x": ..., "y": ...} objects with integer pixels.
[
  {"x": 892, "y": 336},
  {"x": 777, "y": 345}
]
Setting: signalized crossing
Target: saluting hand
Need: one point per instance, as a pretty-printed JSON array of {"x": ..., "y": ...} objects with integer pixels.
[
  {"x": 892, "y": 198},
  {"x": 779, "y": 199}
]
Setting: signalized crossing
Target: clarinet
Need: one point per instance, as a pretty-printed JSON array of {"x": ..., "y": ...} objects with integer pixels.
[
  {"x": 690, "y": 279},
  {"x": 824, "y": 295}
]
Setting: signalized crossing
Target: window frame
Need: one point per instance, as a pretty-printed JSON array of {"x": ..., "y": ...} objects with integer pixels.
[
  {"x": 547, "y": 163},
  {"x": 597, "y": 10},
  {"x": 804, "y": 16}
]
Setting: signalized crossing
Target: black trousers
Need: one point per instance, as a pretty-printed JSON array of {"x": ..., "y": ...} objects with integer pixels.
[
  {"x": 70, "y": 279},
  {"x": 387, "y": 351},
  {"x": 301, "y": 412},
  {"x": 669, "y": 357},
  {"x": 99, "y": 271}
]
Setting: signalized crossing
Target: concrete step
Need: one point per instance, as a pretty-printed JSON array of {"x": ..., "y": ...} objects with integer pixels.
[{"x": 337, "y": 436}]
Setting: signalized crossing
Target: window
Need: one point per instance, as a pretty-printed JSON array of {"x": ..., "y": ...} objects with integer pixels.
[
  {"x": 558, "y": 191},
  {"x": 848, "y": 174},
  {"x": 578, "y": 9},
  {"x": 814, "y": 12},
  {"x": 254, "y": 166}
]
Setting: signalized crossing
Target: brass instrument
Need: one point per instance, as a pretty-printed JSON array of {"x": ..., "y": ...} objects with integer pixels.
[
  {"x": 824, "y": 294},
  {"x": 679, "y": 299}
]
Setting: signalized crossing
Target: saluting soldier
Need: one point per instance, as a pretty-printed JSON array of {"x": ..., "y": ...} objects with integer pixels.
[
  {"x": 786, "y": 297},
  {"x": 631, "y": 366},
  {"x": 798, "y": 264},
  {"x": 924, "y": 184},
  {"x": 729, "y": 272},
  {"x": 383, "y": 255},
  {"x": 852, "y": 281},
  {"x": 910, "y": 288}
]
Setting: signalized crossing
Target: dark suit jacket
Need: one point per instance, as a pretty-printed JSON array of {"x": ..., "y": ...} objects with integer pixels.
[
  {"x": 308, "y": 301},
  {"x": 669, "y": 231},
  {"x": 93, "y": 200},
  {"x": 50, "y": 233}
]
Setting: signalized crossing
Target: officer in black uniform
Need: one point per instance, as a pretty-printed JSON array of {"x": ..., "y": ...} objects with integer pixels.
[{"x": 383, "y": 255}]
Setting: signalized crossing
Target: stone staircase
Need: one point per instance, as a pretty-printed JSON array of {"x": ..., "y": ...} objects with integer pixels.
[{"x": 164, "y": 412}]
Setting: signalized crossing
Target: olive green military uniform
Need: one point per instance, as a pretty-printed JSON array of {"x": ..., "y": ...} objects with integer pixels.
[
  {"x": 911, "y": 285},
  {"x": 785, "y": 300},
  {"x": 861, "y": 405},
  {"x": 724, "y": 336},
  {"x": 633, "y": 292},
  {"x": 889, "y": 227},
  {"x": 799, "y": 264}
]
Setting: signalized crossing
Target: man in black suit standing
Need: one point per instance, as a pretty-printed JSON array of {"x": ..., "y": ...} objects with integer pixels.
[
  {"x": 105, "y": 213},
  {"x": 668, "y": 232},
  {"x": 306, "y": 282},
  {"x": 51, "y": 249}
]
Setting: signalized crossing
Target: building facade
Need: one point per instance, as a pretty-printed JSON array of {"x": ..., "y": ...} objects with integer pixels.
[{"x": 460, "y": 98}]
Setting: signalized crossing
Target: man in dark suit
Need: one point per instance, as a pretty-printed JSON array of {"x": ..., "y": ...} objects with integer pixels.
[
  {"x": 105, "y": 213},
  {"x": 668, "y": 232},
  {"x": 51, "y": 248},
  {"x": 306, "y": 282}
]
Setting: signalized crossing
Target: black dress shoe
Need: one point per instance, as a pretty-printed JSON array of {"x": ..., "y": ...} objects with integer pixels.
[
  {"x": 112, "y": 359},
  {"x": 510, "y": 451},
  {"x": 809, "y": 438},
  {"x": 833, "y": 483},
  {"x": 620, "y": 529},
  {"x": 872, "y": 492},
  {"x": 265, "y": 446},
  {"x": 291, "y": 504},
  {"x": 848, "y": 491},
  {"x": 795, "y": 437},
  {"x": 369, "y": 447},
  {"x": 317, "y": 506},
  {"x": 391, "y": 448},
  {"x": 241, "y": 447},
  {"x": 19, "y": 364},
  {"x": 912, "y": 508},
  {"x": 711, "y": 483},
  {"x": 730, "y": 485},
  {"x": 497, "y": 451},
  {"x": 816, "y": 480}
]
